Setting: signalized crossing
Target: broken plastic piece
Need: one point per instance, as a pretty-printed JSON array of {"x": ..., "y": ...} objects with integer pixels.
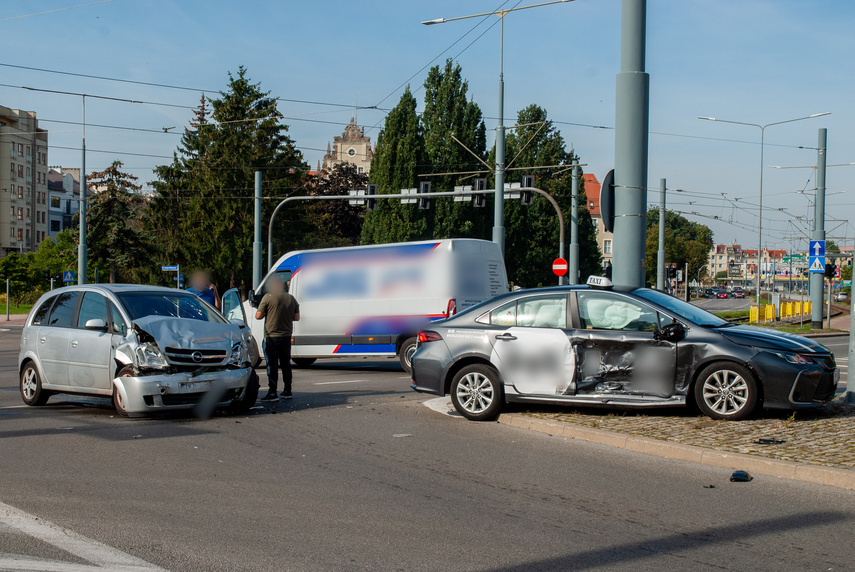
[
  {"x": 709, "y": 486},
  {"x": 769, "y": 441},
  {"x": 741, "y": 477}
]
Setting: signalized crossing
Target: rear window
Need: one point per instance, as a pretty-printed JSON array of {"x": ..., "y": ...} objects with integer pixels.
[
  {"x": 40, "y": 317},
  {"x": 60, "y": 315}
]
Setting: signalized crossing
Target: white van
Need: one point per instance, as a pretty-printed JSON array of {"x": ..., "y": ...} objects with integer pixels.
[{"x": 373, "y": 300}]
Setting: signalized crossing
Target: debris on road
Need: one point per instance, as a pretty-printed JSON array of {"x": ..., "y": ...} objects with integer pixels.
[{"x": 741, "y": 477}]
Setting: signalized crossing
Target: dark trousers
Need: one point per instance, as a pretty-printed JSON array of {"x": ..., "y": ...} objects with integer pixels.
[{"x": 277, "y": 353}]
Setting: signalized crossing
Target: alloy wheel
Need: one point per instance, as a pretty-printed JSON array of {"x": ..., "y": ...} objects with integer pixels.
[
  {"x": 475, "y": 392},
  {"x": 725, "y": 392}
]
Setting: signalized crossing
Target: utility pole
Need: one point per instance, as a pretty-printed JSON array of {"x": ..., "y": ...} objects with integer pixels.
[
  {"x": 82, "y": 252},
  {"x": 817, "y": 279},
  {"x": 499, "y": 205},
  {"x": 850, "y": 379},
  {"x": 256, "y": 245},
  {"x": 631, "y": 134},
  {"x": 660, "y": 255},
  {"x": 573, "y": 264}
]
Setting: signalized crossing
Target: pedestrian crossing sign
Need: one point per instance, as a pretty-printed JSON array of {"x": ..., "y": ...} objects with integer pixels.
[
  {"x": 817, "y": 264},
  {"x": 68, "y": 276}
]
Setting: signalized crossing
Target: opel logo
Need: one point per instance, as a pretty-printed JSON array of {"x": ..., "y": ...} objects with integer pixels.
[{"x": 197, "y": 356}]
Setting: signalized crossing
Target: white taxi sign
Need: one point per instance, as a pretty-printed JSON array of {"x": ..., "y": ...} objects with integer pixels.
[{"x": 599, "y": 282}]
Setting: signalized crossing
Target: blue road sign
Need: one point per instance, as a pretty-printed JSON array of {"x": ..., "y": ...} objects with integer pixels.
[
  {"x": 169, "y": 268},
  {"x": 68, "y": 275},
  {"x": 816, "y": 264},
  {"x": 817, "y": 248}
]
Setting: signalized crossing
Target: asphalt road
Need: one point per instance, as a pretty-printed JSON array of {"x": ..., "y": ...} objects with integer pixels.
[{"x": 357, "y": 474}]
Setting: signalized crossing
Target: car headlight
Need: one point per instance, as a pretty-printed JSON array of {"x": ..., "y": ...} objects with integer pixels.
[
  {"x": 148, "y": 356},
  {"x": 797, "y": 359},
  {"x": 239, "y": 355}
]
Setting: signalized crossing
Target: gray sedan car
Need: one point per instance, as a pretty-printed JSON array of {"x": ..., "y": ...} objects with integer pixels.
[
  {"x": 597, "y": 345},
  {"x": 151, "y": 349}
]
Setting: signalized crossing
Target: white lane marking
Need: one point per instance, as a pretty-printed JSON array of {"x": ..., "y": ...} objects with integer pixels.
[
  {"x": 14, "y": 407},
  {"x": 442, "y": 405},
  {"x": 335, "y": 382},
  {"x": 405, "y": 377},
  {"x": 100, "y": 555}
]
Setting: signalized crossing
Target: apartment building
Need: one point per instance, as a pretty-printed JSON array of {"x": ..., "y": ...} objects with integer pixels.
[
  {"x": 64, "y": 199},
  {"x": 23, "y": 188}
]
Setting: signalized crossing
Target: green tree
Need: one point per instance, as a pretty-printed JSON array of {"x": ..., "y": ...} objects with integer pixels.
[
  {"x": 398, "y": 155},
  {"x": 202, "y": 208},
  {"x": 325, "y": 224},
  {"x": 685, "y": 242},
  {"x": 532, "y": 232},
  {"x": 114, "y": 225},
  {"x": 831, "y": 246},
  {"x": 448, "y": 112}
]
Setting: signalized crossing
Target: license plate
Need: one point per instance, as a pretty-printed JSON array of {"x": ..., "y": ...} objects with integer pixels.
[{"x": 194, "y": 386}]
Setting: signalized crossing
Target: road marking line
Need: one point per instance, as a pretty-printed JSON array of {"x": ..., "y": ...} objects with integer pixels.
[
  {"x": 14, "y": 407},
  {"x": 335, "y": 382},
  {"x": 100, "y": 555}
]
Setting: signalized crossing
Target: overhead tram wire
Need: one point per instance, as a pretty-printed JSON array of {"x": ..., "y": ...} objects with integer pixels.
[{"x": 183, "y": 88}]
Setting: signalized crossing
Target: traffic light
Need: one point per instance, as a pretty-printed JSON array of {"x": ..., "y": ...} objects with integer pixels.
[
  {"x": 370, "y": 191},
  {"x": 527, "y": 197},
  {"x": 424, "y": 189},
  {"x": 479, "y": 200},
  {"x": 829, "y": 270}
]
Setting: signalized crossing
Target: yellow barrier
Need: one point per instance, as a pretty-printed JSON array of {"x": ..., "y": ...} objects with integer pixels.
[
  {"x": 808, "y": 307},
  {"x": 770, "y": 312},
  {"x": 754, "y": 314}
]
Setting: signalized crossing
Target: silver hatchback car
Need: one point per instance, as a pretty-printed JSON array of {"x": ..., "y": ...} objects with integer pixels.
[{"x": 151, "y": 349}]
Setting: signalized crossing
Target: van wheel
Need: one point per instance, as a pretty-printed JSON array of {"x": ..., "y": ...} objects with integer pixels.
[
  {"x": 304, "y": 361},
  {"x": 118, "y": 400},
  {"x": 405, "y": 354},
  {"x": 476, "y": 392},
  {"x": 726, "y": 391},
  {"x": 31, "y": 386}
]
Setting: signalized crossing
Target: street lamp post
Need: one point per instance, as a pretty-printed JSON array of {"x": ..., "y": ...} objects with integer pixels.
[
  {"x": 762, "y": 142},
  {"x": 499, "y": 204}
]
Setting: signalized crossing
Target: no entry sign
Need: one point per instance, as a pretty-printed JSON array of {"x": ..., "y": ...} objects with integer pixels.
[{"x": 559, "y": 267}]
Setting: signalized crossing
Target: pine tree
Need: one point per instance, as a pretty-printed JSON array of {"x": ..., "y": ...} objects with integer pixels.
[
  {"x": 114, "y": 225},
  {"x": 203, "y": 204},
  {"x": 398, "y": 158},
  {"x": 448, "y": 112}
]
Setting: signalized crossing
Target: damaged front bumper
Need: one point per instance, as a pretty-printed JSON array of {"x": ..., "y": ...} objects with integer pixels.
[{"x": 161, "y": 392}]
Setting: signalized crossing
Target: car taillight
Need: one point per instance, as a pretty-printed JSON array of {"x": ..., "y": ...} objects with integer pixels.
[
  {"x": 425, "y": 337},
  {"x": 451, "y": 309}
]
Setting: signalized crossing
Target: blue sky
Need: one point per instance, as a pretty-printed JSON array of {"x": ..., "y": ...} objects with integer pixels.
[{"x": 756, "y": 61}]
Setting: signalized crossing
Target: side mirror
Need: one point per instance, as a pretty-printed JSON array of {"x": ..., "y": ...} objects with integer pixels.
[
  {"x": 253, "y": 301},
  {"x": 670, "y": 333},
  {"x": 238, "y": 322},
  {"x": 96, "y": 324}
]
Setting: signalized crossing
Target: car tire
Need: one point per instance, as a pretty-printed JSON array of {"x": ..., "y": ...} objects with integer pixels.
[
  {"x": 726, "y": 391},
  {"x": 405, "y": 353},
  {"x": 248, "y": 397},
  {"x": 476, "y": 392},
  {"x": 31, "y": 388},
  {"x": 302, "y": 362},
  {"x": 118, "y": 400}
]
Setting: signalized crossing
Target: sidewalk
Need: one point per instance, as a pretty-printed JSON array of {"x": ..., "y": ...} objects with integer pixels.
[{"x": 815, "y": 445}]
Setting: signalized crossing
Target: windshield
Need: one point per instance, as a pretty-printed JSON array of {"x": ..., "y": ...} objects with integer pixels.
[
  {"x": 177, "y": 305},
  {"x": 692, "y": 313}
]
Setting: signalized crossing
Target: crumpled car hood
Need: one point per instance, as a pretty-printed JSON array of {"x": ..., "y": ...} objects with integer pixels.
[{"x": 188, "y": 333}]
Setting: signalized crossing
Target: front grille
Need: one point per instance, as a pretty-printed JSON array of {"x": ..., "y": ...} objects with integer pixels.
[
  {"x": 826, "y": 387},
  {"x": 181, "y": 356}
]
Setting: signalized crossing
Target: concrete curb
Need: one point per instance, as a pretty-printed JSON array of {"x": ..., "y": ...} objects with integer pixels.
[
  {"x": 817, "y": 474},
  {"x": 826, "y": 334}
]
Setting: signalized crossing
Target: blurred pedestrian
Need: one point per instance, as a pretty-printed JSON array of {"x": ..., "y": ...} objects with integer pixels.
[
  {"x": 201, "y": 285},
  {"x": 279, "y": 310}
]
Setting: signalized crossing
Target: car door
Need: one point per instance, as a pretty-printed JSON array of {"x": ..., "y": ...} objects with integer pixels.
[
  {"x": 89, "y": 352},
  {"x": 232, "y": 306},
  {"x": 617, "y": 349},
  {"x": 54, "y": 339},
  {"x": 533, "y": 354}
]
